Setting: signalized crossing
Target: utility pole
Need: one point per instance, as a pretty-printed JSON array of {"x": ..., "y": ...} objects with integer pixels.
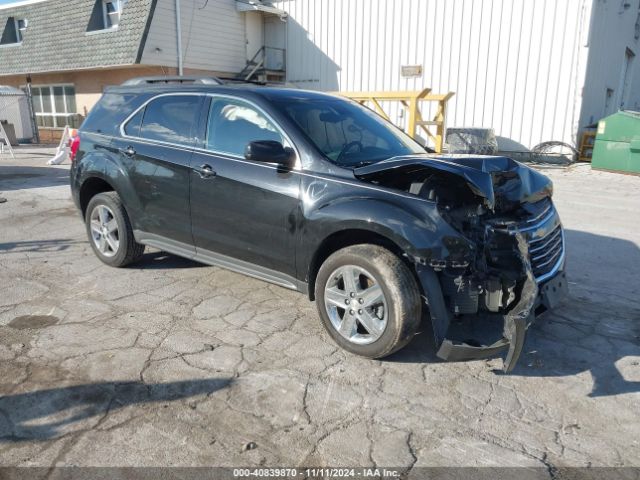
[{"x": 179, "y": 37}]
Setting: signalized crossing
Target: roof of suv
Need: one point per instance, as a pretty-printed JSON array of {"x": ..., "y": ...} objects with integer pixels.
[{"x": 228, "y": 88}]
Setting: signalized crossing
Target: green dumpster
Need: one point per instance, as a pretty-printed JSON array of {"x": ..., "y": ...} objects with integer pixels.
[{"x": 617, "y": 145}]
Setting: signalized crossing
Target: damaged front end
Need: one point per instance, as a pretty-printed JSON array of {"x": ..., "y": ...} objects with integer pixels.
[{"x": 515, "y": 268}]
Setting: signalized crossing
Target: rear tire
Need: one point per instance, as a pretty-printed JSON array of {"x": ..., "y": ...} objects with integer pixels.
[
  {"x": 110, "y": 232},
  {"x": 376, "y": 314}
]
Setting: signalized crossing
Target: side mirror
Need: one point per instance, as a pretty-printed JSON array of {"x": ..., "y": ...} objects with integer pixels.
[{"x": 270, "y": 151}]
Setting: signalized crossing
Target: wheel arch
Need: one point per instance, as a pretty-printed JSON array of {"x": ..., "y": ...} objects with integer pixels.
[
  {"x": 346, "y": 238},
  {"x": 90, "y": 187}
]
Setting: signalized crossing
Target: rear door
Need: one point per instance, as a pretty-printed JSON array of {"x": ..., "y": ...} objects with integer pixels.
[
  {"x": 244, "y": 210},
  {"x": 156, "y": 149}
]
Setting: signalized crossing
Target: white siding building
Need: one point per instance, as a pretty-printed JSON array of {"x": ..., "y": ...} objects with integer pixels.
[
  {"x": 213, "y": 36},
  {"x": 533, "y": 70}
]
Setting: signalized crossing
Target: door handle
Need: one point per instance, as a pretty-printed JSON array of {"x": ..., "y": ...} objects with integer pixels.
[
  {"x": 205, "y": 171},
  {"x": 128, "y": 152}
]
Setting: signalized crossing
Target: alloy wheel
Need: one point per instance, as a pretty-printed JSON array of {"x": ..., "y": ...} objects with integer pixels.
[
  {"x": 104, "y": 230},
  {"x": 356, "y": 304}
]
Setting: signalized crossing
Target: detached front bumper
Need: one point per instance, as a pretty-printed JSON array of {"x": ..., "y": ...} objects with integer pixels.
[{"x": 534, "y": 299}]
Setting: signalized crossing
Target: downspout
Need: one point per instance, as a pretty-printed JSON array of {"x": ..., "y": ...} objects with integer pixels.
[
  {"x": 179, "y": 38},
  {"x": 32, "y": 113}
]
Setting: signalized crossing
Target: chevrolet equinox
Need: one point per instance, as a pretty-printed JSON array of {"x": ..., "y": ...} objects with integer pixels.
[{"x": 319, "y": 194}]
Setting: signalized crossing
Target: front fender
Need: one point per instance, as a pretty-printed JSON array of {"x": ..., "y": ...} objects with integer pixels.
[{"x": 413, "y": 224}]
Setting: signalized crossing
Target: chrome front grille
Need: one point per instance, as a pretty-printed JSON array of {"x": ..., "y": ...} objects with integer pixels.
[
  {"x": 545, "y": 239},
  {"x": 546, "y": 253}
]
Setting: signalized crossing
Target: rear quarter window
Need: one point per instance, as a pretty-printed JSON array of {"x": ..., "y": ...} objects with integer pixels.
[
  {"x": 132, "y": 127},
  {"x": 110, "y": 111}
]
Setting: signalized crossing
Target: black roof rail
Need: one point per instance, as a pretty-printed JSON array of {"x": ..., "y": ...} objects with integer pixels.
[
  {"x": 173, "y": 79},
  {"x": 267, "y": 83},
  {"x": 241, "y": 80}
]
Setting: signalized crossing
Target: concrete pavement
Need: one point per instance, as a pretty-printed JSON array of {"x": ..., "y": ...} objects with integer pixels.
[{"x": 170, "y": 362}]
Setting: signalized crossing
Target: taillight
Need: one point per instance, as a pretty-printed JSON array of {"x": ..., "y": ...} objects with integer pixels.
[{"x": 75, "y": 146}]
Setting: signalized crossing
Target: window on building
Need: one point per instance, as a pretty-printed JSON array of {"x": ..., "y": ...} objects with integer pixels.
[
  {"x": 21, "y": 26},
  {"x": 626, "y": 77},
  {"x": 111, "y": 13},
  {"x": 171, "y": 119},
  {"x": 13, "y": 31},
  {"x": 55, "y": 106},
  {"x": 105, "y": 15},
  {"x": 233, "y": 125}
]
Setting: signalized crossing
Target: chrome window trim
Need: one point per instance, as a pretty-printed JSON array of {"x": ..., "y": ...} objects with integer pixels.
[
  {"x": 123, "y": 134},
  {"x": 144, "y": 105},
  {"x": 160, "y": 143},
  {"x": 237, "y": 158},
  {"x": 297, "y": 166}
]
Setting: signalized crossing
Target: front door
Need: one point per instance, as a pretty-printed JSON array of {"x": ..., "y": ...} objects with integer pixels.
[
  {"x": 156, "y": 150},
  {"x": 243, "y": 212}
]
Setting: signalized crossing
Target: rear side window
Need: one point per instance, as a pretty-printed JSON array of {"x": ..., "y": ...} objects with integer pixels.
[{"x": 170, "y": 119}]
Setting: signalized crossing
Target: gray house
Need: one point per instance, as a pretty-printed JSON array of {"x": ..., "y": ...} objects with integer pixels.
[{"x": 69, "y": 50}]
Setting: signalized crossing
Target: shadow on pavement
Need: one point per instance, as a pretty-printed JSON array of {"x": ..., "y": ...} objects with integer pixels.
[
  {"x": 55, "y": 245},
  {"x": 596, "y": 328},
  {"x": 163, "y": 261},
  {"x": 24, "y": 177},
  {"x": 41, "y": 415},
  {"x": 593, "y": 330},
  {"x": 149, "y": 261}
]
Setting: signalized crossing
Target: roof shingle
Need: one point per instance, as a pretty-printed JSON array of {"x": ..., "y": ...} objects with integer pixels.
[{"x": 57, "y": 39}]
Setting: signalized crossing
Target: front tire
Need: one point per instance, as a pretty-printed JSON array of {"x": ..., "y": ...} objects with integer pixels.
[
  {"x": 110, "y": 232},
  {"x": 368, "y": 300}
]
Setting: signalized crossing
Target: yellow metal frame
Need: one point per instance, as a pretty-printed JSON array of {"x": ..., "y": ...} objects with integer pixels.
[
  {"x": 410, "y": 100},
  {"x": 586, "y": 146}
]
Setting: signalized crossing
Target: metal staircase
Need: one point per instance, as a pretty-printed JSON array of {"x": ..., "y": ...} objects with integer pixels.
[{"x": 268, "y": 65}]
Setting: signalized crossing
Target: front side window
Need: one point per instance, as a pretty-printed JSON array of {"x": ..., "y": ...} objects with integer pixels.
[
  {"x": 346, "y": 133},
  {"x": 171, "y": 119},
  {"x": 55, "y": 106},
  {"x": 234, "y": 124}
]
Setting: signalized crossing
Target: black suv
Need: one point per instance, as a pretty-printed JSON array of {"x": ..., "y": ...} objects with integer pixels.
[{"x": 318, "y": 194}]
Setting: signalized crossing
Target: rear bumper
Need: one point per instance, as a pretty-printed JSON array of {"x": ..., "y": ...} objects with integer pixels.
[
  {"x": 535, "y": 300},
  {"x": 73, "y": 184}
]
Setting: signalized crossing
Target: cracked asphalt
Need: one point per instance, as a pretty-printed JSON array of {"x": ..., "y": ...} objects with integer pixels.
[{"x": 170, "y": 362}]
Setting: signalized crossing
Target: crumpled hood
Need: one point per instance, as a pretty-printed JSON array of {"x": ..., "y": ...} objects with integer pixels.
[{"x": 489, "y": 177}]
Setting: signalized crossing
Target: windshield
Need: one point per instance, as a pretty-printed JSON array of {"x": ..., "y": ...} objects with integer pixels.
[{"x": 346, "y": 133}]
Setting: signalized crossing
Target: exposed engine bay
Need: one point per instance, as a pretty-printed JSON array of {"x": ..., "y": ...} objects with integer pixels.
[{"x": 504, "y": 210}]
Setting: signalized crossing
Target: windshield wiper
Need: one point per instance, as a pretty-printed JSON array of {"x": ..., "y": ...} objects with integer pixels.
[{"x": 362, "y": 164}]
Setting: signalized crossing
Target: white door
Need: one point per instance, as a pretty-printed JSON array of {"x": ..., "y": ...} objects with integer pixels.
[{"x": 274, "y": 42}]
